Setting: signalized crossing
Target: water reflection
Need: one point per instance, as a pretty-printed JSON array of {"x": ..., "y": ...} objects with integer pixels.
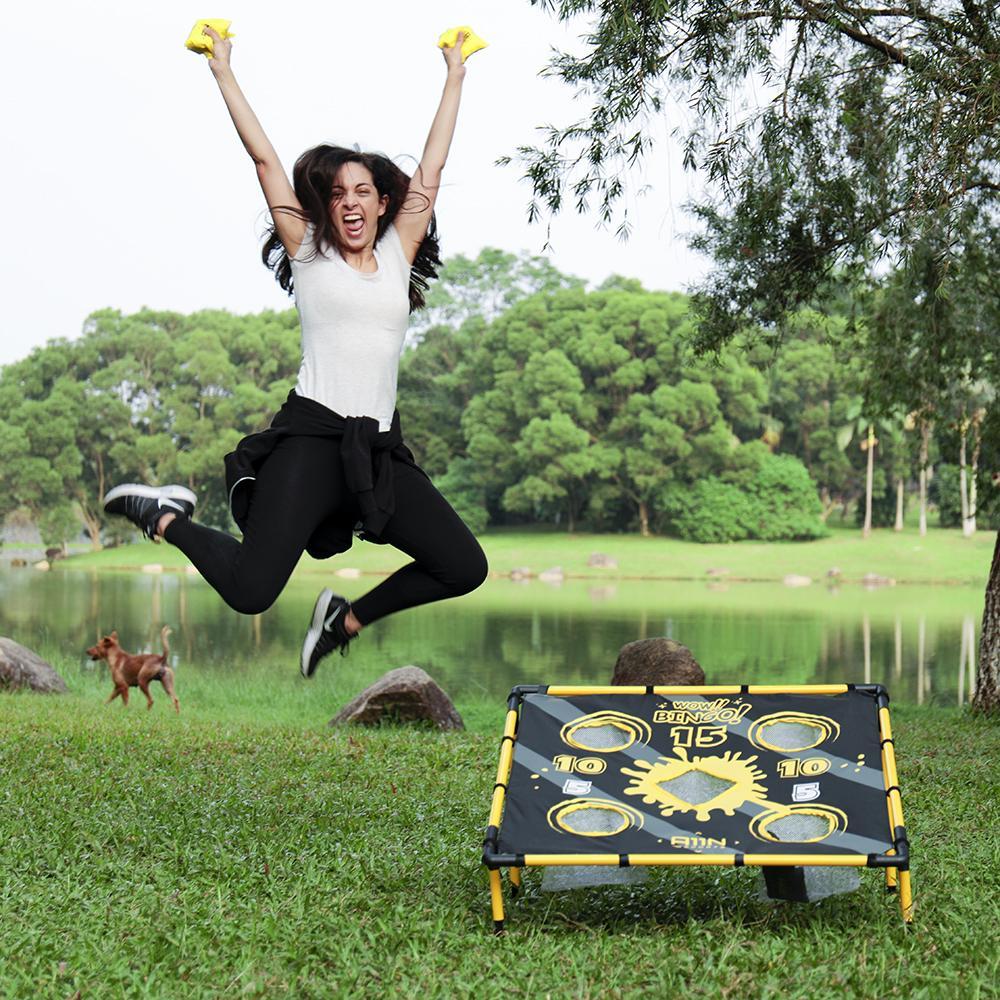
[{"x": 908, "y": 638}]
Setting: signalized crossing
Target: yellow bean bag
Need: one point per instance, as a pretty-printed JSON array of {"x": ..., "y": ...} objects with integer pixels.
[
  {"x": 472, "y": 43},
  {"x": 198, "y": 42}
]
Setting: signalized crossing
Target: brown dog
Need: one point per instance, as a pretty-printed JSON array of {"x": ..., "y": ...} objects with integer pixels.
[{"x": 136, "y": 669}]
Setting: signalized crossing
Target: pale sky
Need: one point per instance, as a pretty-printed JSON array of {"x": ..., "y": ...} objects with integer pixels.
[{"x": 126, "y": 184}]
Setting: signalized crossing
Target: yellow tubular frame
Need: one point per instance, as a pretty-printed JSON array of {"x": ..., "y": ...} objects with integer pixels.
[
  {"x": 894, "y": 876},
  {"x": 894, "y": 802},
  {"x": 496, "y": 811}
]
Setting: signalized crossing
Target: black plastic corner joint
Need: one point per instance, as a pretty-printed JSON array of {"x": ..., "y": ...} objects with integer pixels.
[
  {"x": 490, "y": 838},
  {"x": 623, "y": 861},
  {"x": 519, "y": 691},
  {"x": 492, "y": 860},
  {"x": 902, "y": 846}
]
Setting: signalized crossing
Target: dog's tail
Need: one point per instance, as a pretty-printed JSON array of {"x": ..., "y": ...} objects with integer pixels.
[{"x": 164, "y": 632}]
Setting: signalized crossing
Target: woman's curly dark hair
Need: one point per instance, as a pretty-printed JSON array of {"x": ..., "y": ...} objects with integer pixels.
[{"x": 312, "y": 178}]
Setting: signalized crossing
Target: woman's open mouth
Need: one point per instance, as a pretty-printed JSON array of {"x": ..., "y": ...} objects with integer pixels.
[{"x": 354, "y": 225}]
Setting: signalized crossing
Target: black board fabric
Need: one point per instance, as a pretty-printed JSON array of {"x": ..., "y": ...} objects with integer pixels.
[{"x": 558, "y": 776}]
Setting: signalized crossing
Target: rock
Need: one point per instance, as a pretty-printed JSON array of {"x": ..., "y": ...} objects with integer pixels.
[
  {"x": 795, "y": 580},
  {"x": 553, "y": 575},
  {"x": 659, "y": 661},
  {"x": 872, "y": 581},
  {"x": 521, "y": 573},
  {"x": 53, "y": 554},
  {"x": 602, "y": 561},
  {"x": 407, "y": 694},
  {"x": 152, "y": 568},
  {"x": 349, "y": 573},
  {"x": 834, "y": 573},
  {"x": 42, "y": 564},
  {"x": 18, "y": 563},
  {"x": 718, "y": 571},
  {"x": 21, "y": 668}
]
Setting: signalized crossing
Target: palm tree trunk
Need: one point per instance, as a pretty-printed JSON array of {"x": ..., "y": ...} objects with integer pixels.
[
  {"x": 963, "y": 476},
  {"x": 969, "y": 524},
  {"x": 925, "y": 445},
  {"x": 869, "y": 476}
]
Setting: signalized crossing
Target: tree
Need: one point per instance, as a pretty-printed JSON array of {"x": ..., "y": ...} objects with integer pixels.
[
  {"x": 42, "y": 438},
  {"x": 814, "y": 399},
  {"x": 586, "y": 401},
  {"x": 879, "y": 125},
  {"x": 153, "y": 395},
  {"x": 869, "y": 117},
  {"x": 485, "y": 287},
  {"x": 466, "y": 297}
]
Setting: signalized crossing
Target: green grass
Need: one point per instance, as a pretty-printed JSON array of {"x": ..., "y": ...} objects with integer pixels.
[
  {"x": 942, "y": 556},
  {"x": 244, "y": 849}
]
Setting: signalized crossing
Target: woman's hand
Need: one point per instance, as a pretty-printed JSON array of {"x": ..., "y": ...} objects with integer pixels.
[
  {"x": 221, "y": 47},
  {"x": 453, "y": 56}
]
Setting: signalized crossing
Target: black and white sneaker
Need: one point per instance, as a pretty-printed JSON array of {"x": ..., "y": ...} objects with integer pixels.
[
  {"x": 327, "y": 631},
  {"x": 145, "y": 505}
]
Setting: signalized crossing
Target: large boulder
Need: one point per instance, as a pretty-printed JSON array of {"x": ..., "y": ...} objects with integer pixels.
[
  {"x": 407, "y": 694},
  {"x": 662, "y": 662},
  {"x": 21, "y": 668}
]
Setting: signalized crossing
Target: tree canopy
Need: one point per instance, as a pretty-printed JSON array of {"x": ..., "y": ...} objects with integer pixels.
[{"x": 870, "y": 119}]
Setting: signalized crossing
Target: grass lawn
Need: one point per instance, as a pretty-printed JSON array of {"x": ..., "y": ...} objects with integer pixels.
[
  {"x": 244, "y": 849},
  {"x": 942, "y": 556}
]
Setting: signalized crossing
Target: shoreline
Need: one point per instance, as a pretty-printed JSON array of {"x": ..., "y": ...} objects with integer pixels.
[
  {"x": 941, "y": 558},
  {"x": 829, "y": 583}
]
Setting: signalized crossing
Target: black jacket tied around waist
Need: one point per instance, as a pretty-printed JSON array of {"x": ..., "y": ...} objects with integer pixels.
[{"x": 367, "y": 455}]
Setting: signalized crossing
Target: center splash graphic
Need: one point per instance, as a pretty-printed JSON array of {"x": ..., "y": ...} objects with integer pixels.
[{"x": 723, "y": 782}]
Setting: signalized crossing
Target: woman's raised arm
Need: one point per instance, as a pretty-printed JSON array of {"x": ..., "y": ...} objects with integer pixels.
[
  {"x": 412, "y": 223},
  {"x": 278, "y": 191}
]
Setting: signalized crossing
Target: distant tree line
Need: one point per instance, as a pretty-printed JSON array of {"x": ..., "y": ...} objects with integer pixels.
[{"x": 529, "y": 398}]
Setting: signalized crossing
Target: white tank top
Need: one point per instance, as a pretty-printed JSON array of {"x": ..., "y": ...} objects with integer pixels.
[{"x": 353, "y": 328}]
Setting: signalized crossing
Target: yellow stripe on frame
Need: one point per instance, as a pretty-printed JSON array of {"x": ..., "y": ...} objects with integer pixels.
[
  {"x": 797, "y": 689},
  {"x": 567, "y": 691},
  {"x": 760, "y": 860}
]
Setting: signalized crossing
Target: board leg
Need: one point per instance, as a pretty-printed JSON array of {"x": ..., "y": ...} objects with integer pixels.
[
  {"x": 905, "y": 897},
  {"x": 515, "y": 881},
  {"x": 496, "y": 900}
]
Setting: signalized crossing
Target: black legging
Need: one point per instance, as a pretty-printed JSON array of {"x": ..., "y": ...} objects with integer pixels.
[{"x": 299, "y": 485}]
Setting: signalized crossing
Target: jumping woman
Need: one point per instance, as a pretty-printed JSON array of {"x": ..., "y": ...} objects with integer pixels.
[{"x": 354, "y": 239}]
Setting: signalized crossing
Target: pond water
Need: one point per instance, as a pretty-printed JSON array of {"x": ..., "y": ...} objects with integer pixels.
[{"x": 920, "y": 642}]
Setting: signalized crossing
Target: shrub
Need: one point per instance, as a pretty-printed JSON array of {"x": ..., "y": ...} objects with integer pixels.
[
  {"x": 785, "y": 502},
  {"x": 765, "y": 496},
  {"x": 709, "y": 511}
]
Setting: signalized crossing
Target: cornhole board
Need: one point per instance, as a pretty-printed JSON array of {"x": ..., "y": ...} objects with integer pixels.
[{"x": 718, "y": 775}]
